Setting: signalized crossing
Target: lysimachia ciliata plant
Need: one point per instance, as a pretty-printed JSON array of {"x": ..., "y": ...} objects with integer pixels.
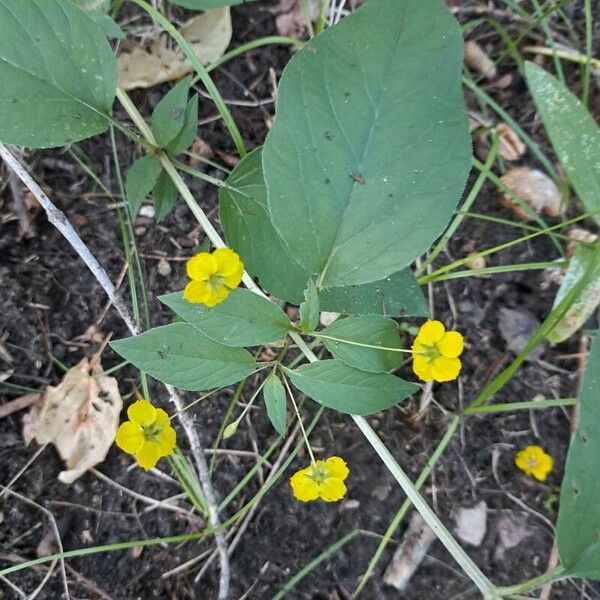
[{"x": 361, "y": 172}]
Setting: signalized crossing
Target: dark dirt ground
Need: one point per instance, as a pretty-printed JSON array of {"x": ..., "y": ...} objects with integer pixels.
[{"x": 49, "y": 300}]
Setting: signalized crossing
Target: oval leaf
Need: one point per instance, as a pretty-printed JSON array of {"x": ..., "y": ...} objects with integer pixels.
[
  {"x": 58, "y": 73},
  {"x": 243, "y": 319},
  {"x": 573, "y": 132},
  {"x": 347, "y": 390},
  {"x": 141, "y": 179},
  {"x": 372, "y": 330},
  {"x": 180, "y": 355},
  {"x": 275, "y": 401},
  {"x": 578, "y": 527},
  {"x": 370, "y": 149}
]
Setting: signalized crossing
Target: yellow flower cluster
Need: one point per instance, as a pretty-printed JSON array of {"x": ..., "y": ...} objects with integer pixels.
[
  {"x": 532, "y": 460},
  {"x": 323, "y": 479},
  {"x": 436, "y": 352},
  {"x": 213, "y": 276},
  {"x": 147, "y": 435}
]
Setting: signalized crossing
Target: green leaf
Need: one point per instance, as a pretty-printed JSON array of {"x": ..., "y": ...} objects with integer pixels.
[
  {"x": 164, "y": 195},
  {"x": 587, "y": 301},
  {"x": 372, "y": 330},
  {"x": 395, "y": 296},
  {"x": 573, "y": 132},
  {"x": 97, "y": 10},
  {"x": 352, "y": 391},
  {"x": 178, "y": 354},
  {"x": 248, "y": 229},
  {"x": 578, "y": 527},
  {"x": 58, "y": 74},
  {"x": 275, "y": 401},
  {"x": 189, "y": 131},
  {"x": 309, "y": 309},
  {"x": 168, "y": 117},
  {"x": 370, "y": 149},
  {"x": 141, "y": 179},
  {"x": 243, "y": 319},
  {"x": 207, "y": 4}
]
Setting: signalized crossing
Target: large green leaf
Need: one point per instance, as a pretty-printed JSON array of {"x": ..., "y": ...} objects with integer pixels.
[
  {"x": 371, "y": 330},
  {"x": 243, "y": 319},
  {"x": 588, "y": 300},
  {"x": 370, "y": 148},
  {"x": 578, "y": 528},
  {"x": 573, "y": 132},
  {"x": 58, "y": 74},
  {"x": 345, "y": 389},
  {"x": 248, "y": 229},
  {"x": 180, "y": 355}
]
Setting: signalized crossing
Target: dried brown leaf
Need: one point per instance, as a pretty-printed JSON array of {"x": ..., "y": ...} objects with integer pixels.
[
  {"x": 209, "y": 35},
  {"x": 535, "y": 188},
  {"x": 510, "y": 145},
  {"x": 80, "y": 417},
  {"x": 477, "y": 60}
]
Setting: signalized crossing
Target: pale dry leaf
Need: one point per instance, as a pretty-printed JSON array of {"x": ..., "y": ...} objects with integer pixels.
[
  {"x": 475, "y": 261},
  {"x": 412, "y": 550},
  {"x": 477, "y": 60},
  {"x": 510, "y": 145},
  {"x": 209, "y": 35},
  {"x": 512, "y": 530},
  {"x": 471, "y": 524},
  {"x": 80, "y": 417},
  {"x": 290, "y": 20},
  {"x": 327, "y": 318},
  {"x": 535, "y": 188},
  {"x": 578, "y": 234}
]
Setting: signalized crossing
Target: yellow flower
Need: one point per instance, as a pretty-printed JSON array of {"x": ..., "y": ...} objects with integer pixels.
[
  {"x": 213, "y": 276},
  {"x": 533, "y": 461},
  {"x": 323, "y": 479},
  {"x": 436, "y": 352},
  {"x": 147, "y": 435}
]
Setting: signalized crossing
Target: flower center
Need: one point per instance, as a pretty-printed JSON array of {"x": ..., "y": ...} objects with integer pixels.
[
  {"x": 532, "y": 462},
  {"x": 431, "y": 352},
  {"x": 215, "y": 282},
  {"x": 151, "y": 432},
  {"x": 319, "y": 473}
]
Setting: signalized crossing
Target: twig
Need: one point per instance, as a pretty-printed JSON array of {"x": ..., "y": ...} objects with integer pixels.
[
  {"x": 18, "y": 404},
  {"x": 59, "y": 220}
]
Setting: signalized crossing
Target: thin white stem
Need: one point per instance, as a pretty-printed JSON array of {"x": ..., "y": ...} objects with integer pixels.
[{"x": 360, "y": 344}]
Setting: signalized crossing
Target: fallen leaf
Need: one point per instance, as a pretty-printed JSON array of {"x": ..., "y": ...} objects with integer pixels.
[
  {"x": 475, "y": 261},
  {"x": 510, "y": 145},
  {"x": 290, "y": 20},
  {"x": 477, "y": 60},
  {"x": 577, "y": 234},
  {"x": 512, "y": 530},
  {"x": 535, "y": 188},
  {"x": 80, "y": 417},
  {"x": 517, "y": 327},
  {"x": 209, "y": 35},
  {"x": 327, "y": 318},
  {"x": 200, "y": 148},
  {"x": 471, "y": 524},
  {"x": 412, "y": 550}
]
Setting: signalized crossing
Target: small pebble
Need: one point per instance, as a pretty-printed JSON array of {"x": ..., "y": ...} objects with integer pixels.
[{"x": 164, "y": 267}]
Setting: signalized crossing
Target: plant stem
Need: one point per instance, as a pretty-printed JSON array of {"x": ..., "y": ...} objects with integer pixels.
[
  {"x": 322, "y": 336},
  {"x": 291, "y": 395},
  {"x": 508, "y": 406},
  {"x": 532, "y": 584}
]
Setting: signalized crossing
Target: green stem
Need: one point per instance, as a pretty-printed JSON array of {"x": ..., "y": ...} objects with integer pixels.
[
  {"x": 535, "y": 583},
  {"x": 508, "y": 406},
  {"x": 211, "y": 88}
]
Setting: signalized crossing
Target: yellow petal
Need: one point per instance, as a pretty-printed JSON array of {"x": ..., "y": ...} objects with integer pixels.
[
  {"x": 196, "y": 292},
  {"x": 148, "y": 455},
  {"x": 142, "y": 413},
  {"x": 201, "y": 266},
  {"x": 523, "y": 459},
  {"x": 162, "y": 418},
  {"x": 130, "y": 437},
  {"x": 452, "y": 344},
  {"x": 336, "y": 467},
  {"x": 422, "y": 368},
  {"x": 445, "y": 369},
  {"x": 216, "y": 295},
  {"x": 332, "y": 489},
  {"x": 227, "y": 261},
  {"x": 167, "y": 440},
  {"x": 431, "y": 332},
  {"x": 304, "y": 486}
]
